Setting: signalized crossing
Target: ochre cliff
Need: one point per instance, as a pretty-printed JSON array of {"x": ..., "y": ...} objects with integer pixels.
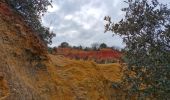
[{"x": 28, "y": 72}]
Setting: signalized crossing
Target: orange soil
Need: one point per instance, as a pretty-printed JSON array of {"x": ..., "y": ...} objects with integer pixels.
[{"x": 28, "y": 72}]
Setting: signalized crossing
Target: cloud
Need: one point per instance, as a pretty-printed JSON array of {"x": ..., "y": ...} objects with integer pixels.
[
  {"x": 68, "y": 17},
  {"x": 54, "y": 8},
  {"x": 80, "y": 22},
  {"x": 115, "y": 4}
]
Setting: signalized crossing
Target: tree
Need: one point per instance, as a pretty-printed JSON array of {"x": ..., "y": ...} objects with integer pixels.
[
  {"x": 116, "y": 48},
  {"x": 86, "y": 49},
  {"x": 32, "y": 10},
  {"x": 103, "y": 45},
  {"x": 80, "y": 47},
  {"x": 146, "y": 32},
  {"x": 75, "y": 47},
  {"x": 95, "y": 46},
  {"x": 50, "y": 50},
  {"x": 64, "y": 45}
]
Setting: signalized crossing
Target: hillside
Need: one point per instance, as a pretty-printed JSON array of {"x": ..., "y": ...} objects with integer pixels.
[
  {"x": 84, "y": 80},
  {"x": 101, "y": 56},
  {"x": 28, "y": 72}
]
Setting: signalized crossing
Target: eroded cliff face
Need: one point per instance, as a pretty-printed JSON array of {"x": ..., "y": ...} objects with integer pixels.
[
  {"x": 28, "y": 72},
  {"x": 21, "y": 53}
]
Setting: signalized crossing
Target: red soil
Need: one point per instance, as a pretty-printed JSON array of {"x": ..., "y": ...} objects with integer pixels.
[{"x": 100, "y": 56}]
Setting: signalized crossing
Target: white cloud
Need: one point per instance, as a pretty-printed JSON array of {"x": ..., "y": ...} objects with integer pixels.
[
  {"x": 80, "y": 22},
  {"x": 87, "y": 17},
  {"x": 115, "y": 3},
  {"x": 68, "y": 17},
  {"x": 54, "y": 8},
  {"x": 69, "y": 34},
  {"x": 51, "y": 28}
]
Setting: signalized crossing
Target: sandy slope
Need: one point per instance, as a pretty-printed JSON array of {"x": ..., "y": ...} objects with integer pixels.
[{"x": 80, "y": 80}]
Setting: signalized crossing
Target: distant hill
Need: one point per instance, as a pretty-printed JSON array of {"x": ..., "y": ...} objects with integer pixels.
[{"x": 102, "y": 56}]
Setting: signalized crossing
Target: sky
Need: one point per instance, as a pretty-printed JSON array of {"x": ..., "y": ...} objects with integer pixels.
[{"x": 81, "y": 22}]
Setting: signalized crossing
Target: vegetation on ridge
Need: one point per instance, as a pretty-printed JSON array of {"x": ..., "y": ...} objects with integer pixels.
[{"x": 32, "y": 10}]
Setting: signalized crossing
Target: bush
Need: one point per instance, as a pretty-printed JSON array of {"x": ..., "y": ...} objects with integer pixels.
[
  {"x": 32, "y": 10},
  {"x": 64, "y": 45},
  {"x": 146, "y": 32},
  {"x": 103, "y": 45}
]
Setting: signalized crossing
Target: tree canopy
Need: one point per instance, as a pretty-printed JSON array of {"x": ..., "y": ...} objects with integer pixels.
[
  {"x": 64, "y": 45},
  {"x": 95, "y": 46},
  {"x": 103, "y": 45},
  {"x": 32, "y": 10},
  {"x": 146, "y": 32}
]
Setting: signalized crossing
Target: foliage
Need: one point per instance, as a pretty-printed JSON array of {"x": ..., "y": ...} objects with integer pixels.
[
  {"x": 87, "y": 49},
  {"x": 32, "y": 10},
  {"x": 50, "y": 50},
  {"x": 80, "y": 47},
  {"x": 77, "y": 47},
  {"x": 64, "y": 45},
  {"x": 95, "y": 46},
  {"x": 146, "y": 32},
  {"x": 103, "y": 45}
]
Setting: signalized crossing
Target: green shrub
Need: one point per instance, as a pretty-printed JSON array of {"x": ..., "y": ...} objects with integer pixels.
[
  {"x": 146, "y": 32},
  {"x": 32, "y": 10}
]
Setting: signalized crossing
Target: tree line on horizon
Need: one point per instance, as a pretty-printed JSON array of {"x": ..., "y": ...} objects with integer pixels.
[
  {"x": 94, "y": 46},
  {"x": 99, "y": 53}
]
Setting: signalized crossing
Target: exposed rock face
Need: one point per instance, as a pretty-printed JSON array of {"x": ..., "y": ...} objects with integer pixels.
[
  {"x": 28, "y": 72},
  {"x": 19, "y": 52}
]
